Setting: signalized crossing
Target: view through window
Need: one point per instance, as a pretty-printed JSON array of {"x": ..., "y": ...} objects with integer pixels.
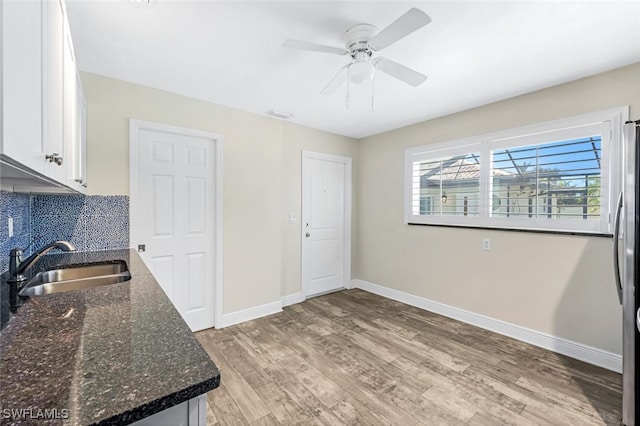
[
  {"x": 555, "y": 180},
  {"x": 552, "y": 176}
]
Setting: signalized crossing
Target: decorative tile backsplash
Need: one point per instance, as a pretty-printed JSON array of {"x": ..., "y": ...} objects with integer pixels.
[
  {"x": 18, "y": 207},
  {"x": 94, "y": 222}
]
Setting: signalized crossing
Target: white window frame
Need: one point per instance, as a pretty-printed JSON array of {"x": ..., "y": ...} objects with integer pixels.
[{"x": 609, "y": 122}]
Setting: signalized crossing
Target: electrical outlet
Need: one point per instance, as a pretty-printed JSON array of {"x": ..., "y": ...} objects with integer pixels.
[
  {"x": 10, "y": 226},
  {"x": 486, "y": 244},
  {"x": 293, "y": 218}
]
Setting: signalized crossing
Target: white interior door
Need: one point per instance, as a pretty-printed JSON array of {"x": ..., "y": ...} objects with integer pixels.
[
  {"x": 326, "y": 223},
  {"x": 173, "y": 223}
]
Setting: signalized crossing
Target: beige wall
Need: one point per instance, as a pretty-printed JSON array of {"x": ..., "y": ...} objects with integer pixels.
[
  {"x": 261, "y": 165},
  {"x": 560, "y": 285}
]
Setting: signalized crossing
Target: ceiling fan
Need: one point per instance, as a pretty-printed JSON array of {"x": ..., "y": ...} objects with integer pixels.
[{"x": 361, "y": 41}]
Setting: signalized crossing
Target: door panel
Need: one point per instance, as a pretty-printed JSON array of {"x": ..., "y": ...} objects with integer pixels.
[
  {"x": 325, "y": 218},
  {"x": 176, "y": 193},
  {"x": 163, "y": 270},
  {"x": 163, "y": 196},
  {"x": 327, "y": 258},
  {"x": 197, "y": 198},
  {"x": 327, "y": 195},
  {"x": 197, "y": 267}
]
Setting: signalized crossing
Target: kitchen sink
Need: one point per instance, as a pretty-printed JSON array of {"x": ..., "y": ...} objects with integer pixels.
[{"x": 76, "y": 278}]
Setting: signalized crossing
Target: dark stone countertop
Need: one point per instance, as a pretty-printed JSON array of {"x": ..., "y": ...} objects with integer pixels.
[{"x": 108, "y": 355}]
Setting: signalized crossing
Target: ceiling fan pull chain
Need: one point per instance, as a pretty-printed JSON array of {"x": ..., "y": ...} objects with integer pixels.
[
  {"x": 373, "y": 93},
  {"x": 348, "y": 98}
]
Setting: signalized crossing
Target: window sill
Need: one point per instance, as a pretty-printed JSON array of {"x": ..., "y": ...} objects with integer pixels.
[{"x": 530, "y": 231}]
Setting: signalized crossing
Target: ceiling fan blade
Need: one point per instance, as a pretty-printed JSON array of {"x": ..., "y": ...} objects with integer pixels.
[
  {"x": 335, "y": 82},
  {"x": 394, "y": 69},
  {"x": 411, "y": 21},
  {"x": 305, "y": 45}
]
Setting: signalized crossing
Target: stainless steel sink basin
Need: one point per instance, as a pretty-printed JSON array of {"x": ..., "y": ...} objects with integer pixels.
[{"x": 76, "y": 278}]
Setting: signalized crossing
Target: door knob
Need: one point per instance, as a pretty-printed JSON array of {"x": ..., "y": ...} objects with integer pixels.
[{"x": 307, "y": 235}]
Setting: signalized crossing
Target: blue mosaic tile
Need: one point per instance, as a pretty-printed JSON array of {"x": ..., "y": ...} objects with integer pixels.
[
  {"x": 16, "y": 206},
  {"x": 107, "y": 232},
  {"x": 107, "y": 205},
  {"x": 52, "y": 228},
  {"x": 96, "y": 222},
  {"x": 51, "y": 204}
]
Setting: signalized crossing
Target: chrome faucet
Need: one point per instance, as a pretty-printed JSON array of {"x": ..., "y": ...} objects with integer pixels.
[{"x": 18, "y": 266}]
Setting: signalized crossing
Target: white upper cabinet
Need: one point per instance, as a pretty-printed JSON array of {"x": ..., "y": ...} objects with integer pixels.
[
  {"x": 22, "y": 83},
  {"x": 74, "y": 114},
  {"x": 81, "y": 156},
  {"x": 42, "y": 111},
  {"x": 76, "y": 147},
  {"x": 53, "y": 81}
]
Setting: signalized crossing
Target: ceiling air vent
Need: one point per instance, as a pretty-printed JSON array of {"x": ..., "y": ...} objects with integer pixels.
[
  {"x": 279, "y": 114},
  {"x": 145, "y": 4}
]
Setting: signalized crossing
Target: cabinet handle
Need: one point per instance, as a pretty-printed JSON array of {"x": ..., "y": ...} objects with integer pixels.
[{"x": 54, "y": 158}]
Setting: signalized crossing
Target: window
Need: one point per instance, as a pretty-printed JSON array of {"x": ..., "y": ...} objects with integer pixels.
[
  {"x": 558, "y": 180},
  {"x": 452, "y": 181},
  {"x": 555, "y": 176}
]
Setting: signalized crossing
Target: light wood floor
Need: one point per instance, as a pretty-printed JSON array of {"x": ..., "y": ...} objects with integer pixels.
[{"x": 356, "y": 358}]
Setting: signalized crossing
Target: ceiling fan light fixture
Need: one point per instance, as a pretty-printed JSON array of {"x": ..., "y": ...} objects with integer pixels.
[
  {"x": 362, "y": 41},
  {"x": 361, "y": 72}
]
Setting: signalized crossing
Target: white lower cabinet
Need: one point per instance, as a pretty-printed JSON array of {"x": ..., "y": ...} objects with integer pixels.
[{"x": 189, "y": 413}]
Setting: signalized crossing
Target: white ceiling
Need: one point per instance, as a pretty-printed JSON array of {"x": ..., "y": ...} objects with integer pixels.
[{"x": 474, "y": 53}]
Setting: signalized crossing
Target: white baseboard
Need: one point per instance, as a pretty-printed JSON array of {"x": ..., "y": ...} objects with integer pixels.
[
  {"x": 595, "y": 356},
  {"x": 292, "y": 299},
  {"x": 251, "y": 313}
]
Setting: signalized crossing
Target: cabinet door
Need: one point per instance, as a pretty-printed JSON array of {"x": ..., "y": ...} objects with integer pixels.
[
  {"x": 189, "y": 413},
  {"x": 82, "y": 105},
  {"x": 21, "y": 83},
  {"x": 77, "y": 156},
  {"x": 82, "y": 132},
  {"x": 71, "y": 135},
  {"x": 53, "y": 73}
]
